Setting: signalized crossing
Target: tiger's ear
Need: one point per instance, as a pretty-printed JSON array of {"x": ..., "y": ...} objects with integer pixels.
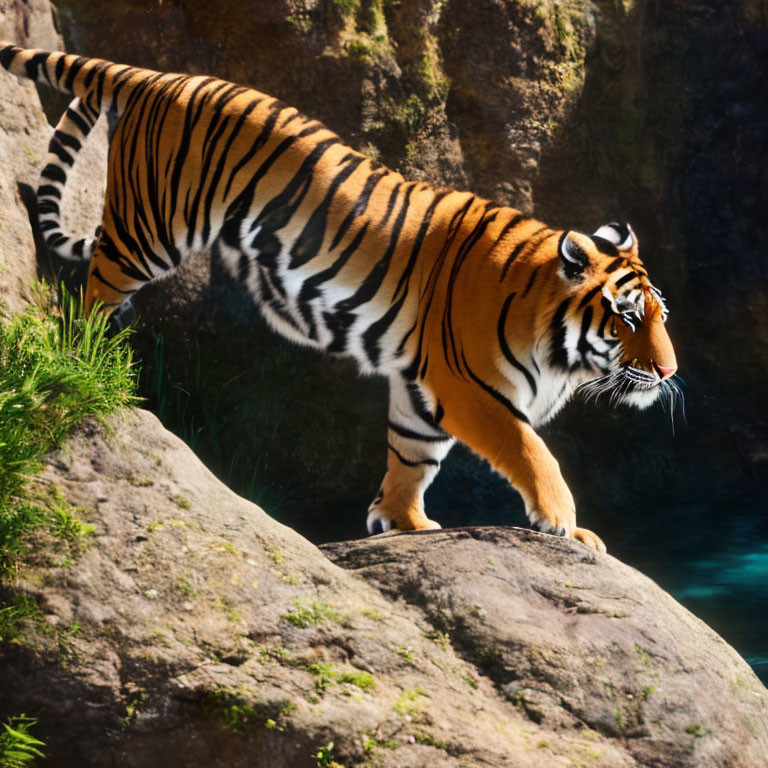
[
  {"x": 573, "y": 257},
  {"x": 622, "y": 236}
]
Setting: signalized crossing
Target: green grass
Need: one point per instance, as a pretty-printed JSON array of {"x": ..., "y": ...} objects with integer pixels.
[
  {"x": 327, "y": 675},
  {"x": 18, "y": 747},
  {"x": 56, "y": 370},
  {"x": 408, "y": 703},
  {"x": 231, "y": 708},
  {"x": 21, "y": 621},
  {"x": 17, "y": 617},
  {"x": 305, "y": 616},
  {"x": 324, "y": 757}
]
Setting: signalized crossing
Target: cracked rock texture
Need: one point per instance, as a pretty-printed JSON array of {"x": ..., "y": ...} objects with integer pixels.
[{"x": 209, "y": 634}]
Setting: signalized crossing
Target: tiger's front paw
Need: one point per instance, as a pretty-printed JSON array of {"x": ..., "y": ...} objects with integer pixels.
[
  {"x": 379, "y": 522},
  {"x": 590, "y": 539},
  {"x": 551, "y": 507},
  {"x": 557, "y": 522}
]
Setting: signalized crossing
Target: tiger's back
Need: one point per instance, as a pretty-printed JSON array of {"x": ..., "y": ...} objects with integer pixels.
[{"x": 332, "y": 245}]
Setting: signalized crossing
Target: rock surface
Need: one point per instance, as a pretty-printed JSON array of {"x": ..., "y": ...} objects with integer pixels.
[
  {"x": 23, "y": 140},
  {"x": 24, "y": 135},
  {"x": 195, "y": 630}
]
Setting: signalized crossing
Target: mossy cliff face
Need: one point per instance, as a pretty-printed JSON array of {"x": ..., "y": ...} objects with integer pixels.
[{"x": 580, "y": 112}]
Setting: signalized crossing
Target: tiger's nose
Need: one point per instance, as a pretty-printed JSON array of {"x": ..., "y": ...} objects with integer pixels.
[{"x": 664, "y": 371}]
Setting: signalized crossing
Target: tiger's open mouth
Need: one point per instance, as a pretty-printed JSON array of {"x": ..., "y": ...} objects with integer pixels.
[{"x": 637, "y": 387}]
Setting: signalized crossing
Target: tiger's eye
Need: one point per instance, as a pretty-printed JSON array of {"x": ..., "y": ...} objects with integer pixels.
[{"x": 614, "y": 331}]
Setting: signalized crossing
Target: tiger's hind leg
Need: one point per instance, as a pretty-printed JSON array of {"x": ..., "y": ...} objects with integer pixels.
[
  {"x": 113, "y": 277},
  {"x": 414, "y": 452}
]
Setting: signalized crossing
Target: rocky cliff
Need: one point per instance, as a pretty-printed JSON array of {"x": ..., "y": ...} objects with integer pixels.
[{"x": 192, "y": 629}]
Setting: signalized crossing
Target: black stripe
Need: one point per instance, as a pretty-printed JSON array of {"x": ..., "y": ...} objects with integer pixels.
[
  {"x": 511, "y": 224},
  {"x": 35, "y": 63},
  {"x": 99, "y": 277},
  {"x": 559, "y": 355},
  {"x": 626, "y": 279},
  {"x": 589, "y": 295},
  {"x": 310, "y": 240},
  {"x": 512, "y": 256},
  {"x": 607, "y": 313},
  {"x": 90, "y": 74},
  {"x": 454, "y": 226},
  {"x": 507, "y": 352},
  {"x": 192, "y": 115},
  {"x": 55, "y": 240},
  {"x": 309, "y": 291},
  {"x": 60, "y": 64},
  {"x": 467, "y": 245},
  {"x": 48, "y": 190},
  {"x": 7, "y": 55},
  {"x": 83, "y": 126},
  {"x": 418, "y": 405},
  {"x": 67, "y": 140},
  {"x": 521, "y": 246},
  {"x": 56, "y": 149},
  {"x": 373, "y": 280},
  {"x": 615, "y": 264},
  {"x": 54, "y": 173},
  {"x": 605, "y": 246},
  {"x": 393, "y": 195},
  {"x": 111, "y": 252},
  {"x": 408, "y": 463},
  {"x": 219, "y": 98},
  {"x": 404, "y": 340},
  {"x": 47, "y": 206},
  {"x": 586, "y": 321},
  {"x": 224, "y": 161},
  {"x": 411, "y": 435},
  {"x": 74, "y": 68},
  {"x": 373, "y": 334},
  {"x": 260, "y": 141},
  {"x": 361, "y": 205},
  {"x": 494, "y": 393},
  {"x": 531, "y": 281}
]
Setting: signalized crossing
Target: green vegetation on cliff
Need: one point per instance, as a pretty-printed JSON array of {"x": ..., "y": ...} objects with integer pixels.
[{"x": 56, "y": 370}]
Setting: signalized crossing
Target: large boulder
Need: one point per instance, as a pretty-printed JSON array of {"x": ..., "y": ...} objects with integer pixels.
[{"x": 192, "y": 629}]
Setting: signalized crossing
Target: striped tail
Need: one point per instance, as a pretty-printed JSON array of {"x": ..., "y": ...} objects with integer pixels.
[{"x": 95, "y": 84}]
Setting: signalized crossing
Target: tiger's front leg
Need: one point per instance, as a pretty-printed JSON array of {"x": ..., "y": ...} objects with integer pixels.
[
  {"x": 490, "y": 425},
  {"x": 415, "y": 448}
]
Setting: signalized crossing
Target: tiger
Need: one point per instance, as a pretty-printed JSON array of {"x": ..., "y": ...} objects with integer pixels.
[{"x": 484, "y": 320}]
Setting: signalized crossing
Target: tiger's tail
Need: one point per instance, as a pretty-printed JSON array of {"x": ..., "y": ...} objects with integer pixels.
[{"x": 96, "y": 87}]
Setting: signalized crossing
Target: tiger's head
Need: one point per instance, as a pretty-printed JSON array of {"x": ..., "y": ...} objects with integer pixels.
[{"x": 623, "y": 349}]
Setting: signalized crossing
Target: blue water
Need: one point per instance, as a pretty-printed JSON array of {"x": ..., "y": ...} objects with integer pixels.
[{"x": 714, "y": 560}]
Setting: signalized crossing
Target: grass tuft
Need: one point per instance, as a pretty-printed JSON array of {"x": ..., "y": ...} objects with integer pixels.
[
  {"x": 18, "y": 747},
  {"x": 57, "y": 368}
]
